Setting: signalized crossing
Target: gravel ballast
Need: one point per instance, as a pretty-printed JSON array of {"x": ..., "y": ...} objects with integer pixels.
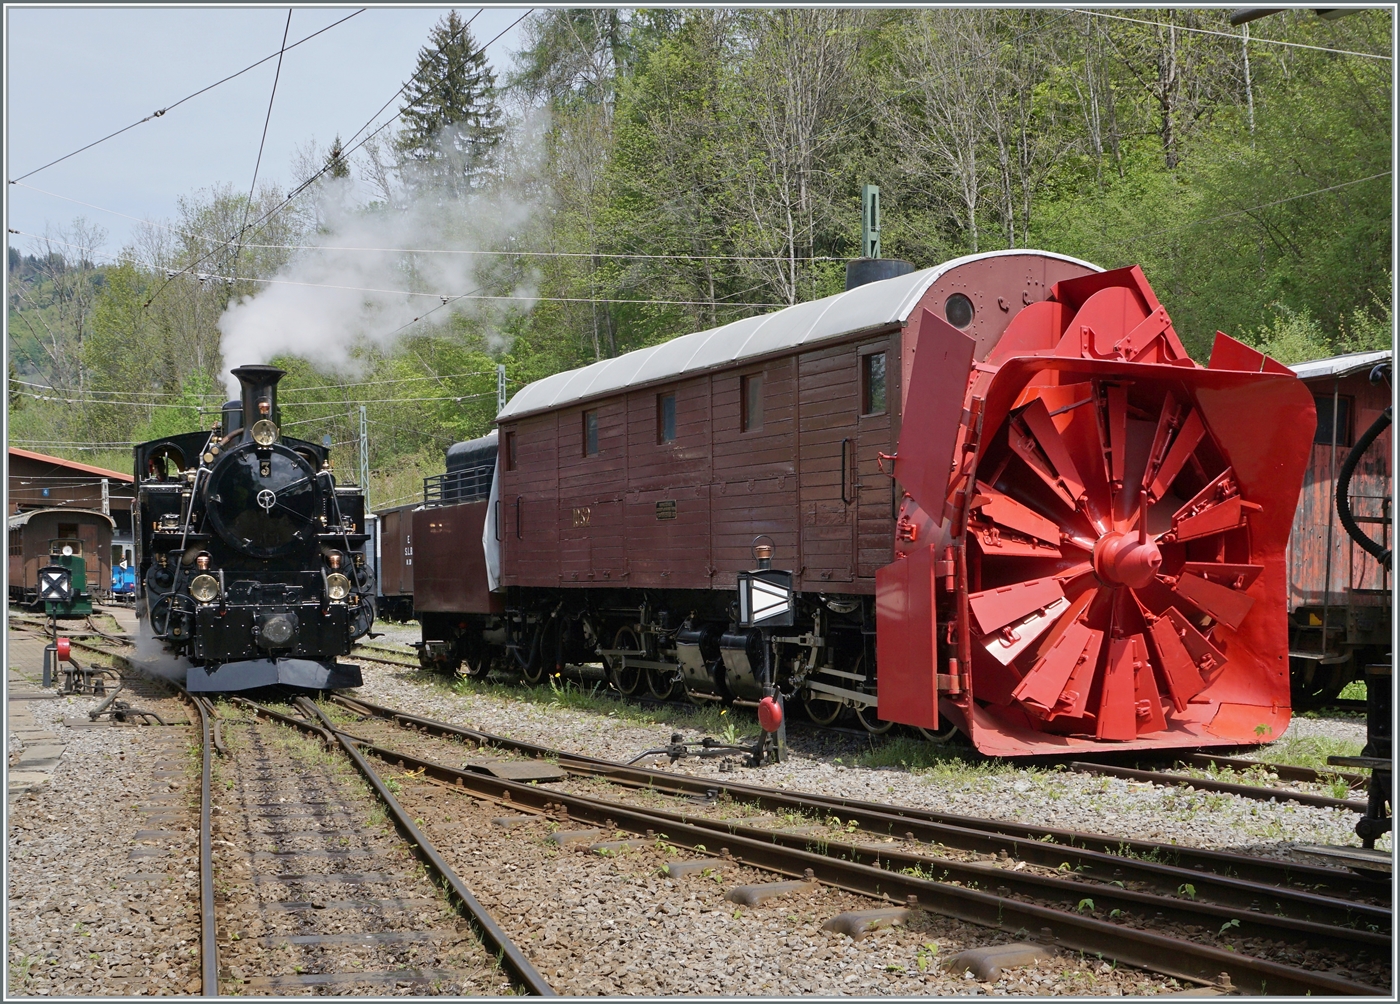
[
  {"x": 103, "y": 872},
  {"x": 604, "y": 924},
  {"x": 993, "y": 789}
]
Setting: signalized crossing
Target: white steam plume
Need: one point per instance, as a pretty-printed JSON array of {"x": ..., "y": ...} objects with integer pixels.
[{"x": 355, "y": 298}]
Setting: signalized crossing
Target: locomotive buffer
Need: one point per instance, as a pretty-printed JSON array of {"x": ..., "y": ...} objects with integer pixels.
[{"x": 766, "y": 602}]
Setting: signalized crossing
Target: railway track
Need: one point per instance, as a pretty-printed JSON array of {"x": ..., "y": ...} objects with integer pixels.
[
  {"x": 310, "y": 875},
  {"x": 319, "y": 885},
  {"x": 1256, "y": 792},
  {"x": 1269, "y": 926},
  {"x": 1105, "y": 916}
]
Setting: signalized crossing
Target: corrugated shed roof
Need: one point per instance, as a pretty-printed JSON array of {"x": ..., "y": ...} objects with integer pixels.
[
  {"x": 1340, "y": 366},
  {"x": 874, "y": 305}
]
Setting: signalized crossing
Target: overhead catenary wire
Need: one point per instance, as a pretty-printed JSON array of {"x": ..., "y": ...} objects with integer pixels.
[
  {"x": 305, "y": 185},
  {"x": 171, "y": 107},
  {"x": 1240, "y": 212},
  {"x": 410, "y": 292},
  {"x": 503, "y": 252},
  {"x": 329, "y": 386},
  {"x": 257, "y": 165},
  {"x": 1229, "y": 34},
  {"x": 285, "y": 403},
  {"x": 1189, "y": 223}
]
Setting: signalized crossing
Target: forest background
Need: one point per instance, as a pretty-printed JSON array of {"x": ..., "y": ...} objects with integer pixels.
[{"x": 637, "y": 175}]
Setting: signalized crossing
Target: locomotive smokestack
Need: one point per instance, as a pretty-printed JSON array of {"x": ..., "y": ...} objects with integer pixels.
[{"x": 259, "y": 395}]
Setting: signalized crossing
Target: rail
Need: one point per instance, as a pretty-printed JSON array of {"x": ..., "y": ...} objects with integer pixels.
[
  {"x": 1187, "y": 960},
  {"x": 208, "y": 940},
  {"x": 491, "y": 933},
  {"x": 1233, "y": 878}
]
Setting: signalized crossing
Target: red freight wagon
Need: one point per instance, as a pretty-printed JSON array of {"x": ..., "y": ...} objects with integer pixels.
[
  {"x": 1338, "y": 596},
  {"x": 1003, "y": 476}
]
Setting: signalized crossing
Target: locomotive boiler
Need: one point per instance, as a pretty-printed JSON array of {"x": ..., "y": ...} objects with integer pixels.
[
  {"x": 250, "y": 557},
  {"x": 1010, "y": 503}
]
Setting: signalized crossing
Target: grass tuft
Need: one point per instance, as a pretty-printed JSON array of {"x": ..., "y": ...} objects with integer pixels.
[{"x": 1309, "y": 751}]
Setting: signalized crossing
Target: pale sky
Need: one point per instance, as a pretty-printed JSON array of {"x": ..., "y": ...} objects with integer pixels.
[{"x": 75, "y": 74}]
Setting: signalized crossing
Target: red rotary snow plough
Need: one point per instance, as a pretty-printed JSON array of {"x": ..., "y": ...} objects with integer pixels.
[{"x": 1106, "y": 562}]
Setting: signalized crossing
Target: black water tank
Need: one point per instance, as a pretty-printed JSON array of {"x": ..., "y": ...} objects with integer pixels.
[{"x": 859, "y": 271}]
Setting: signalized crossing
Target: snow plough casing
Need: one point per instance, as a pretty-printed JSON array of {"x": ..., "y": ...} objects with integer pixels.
[{"x": 1105, "y": 565}]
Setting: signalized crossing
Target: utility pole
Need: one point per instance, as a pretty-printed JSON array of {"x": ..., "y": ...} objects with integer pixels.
[
  {"x": 870, "y": 221},
  {"x": 364, "y": 457},
  {"x": 500, "y": 387}
]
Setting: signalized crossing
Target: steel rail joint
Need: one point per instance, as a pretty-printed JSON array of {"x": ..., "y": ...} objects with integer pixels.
[{"x": 494, "y": 937}]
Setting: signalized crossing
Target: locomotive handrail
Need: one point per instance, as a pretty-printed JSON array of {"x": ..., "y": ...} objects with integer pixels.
[{"x": 1349, "y": 523}]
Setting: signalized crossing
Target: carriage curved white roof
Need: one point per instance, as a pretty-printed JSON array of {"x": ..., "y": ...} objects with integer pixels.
[
  {"x": 19, "y": 519},
  {"x": 874, "y": 305},
  {"x": 1340, "y": 366}
]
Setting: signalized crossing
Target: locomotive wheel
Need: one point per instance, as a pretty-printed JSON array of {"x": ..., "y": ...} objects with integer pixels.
[
  {"x": 821, "y": 709},
  {"x": 661, "y": 683},
  {"x": 476, "y": 658},
  {"x": 542, "y": 658},
  {"x": 945, "y": 734},
  {"x": 627, "y": 679},
  {"x": 871, "y": 721}
]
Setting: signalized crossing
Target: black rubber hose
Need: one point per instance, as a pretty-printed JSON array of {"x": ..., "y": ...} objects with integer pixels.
[{"x": 1377, "y": 551}]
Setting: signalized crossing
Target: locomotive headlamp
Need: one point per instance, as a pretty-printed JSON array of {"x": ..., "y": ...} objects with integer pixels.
[
  {"x": 337, "y": 586},
  {"x": 204, "y": 588},
  {"x": 264, "y": 432}
]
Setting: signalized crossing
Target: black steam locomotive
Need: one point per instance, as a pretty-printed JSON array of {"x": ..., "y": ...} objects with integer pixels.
[{"x": 250, "y": 559}]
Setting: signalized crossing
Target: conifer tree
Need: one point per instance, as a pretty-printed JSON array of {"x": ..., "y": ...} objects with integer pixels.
[{"x": 451, "y": 116}]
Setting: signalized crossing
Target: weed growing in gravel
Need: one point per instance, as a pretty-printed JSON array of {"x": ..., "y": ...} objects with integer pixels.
[
  {"x": 594, "y": 697},
  {"x": 939, "y": 763},
  {"x": 1310, "y": 751}
]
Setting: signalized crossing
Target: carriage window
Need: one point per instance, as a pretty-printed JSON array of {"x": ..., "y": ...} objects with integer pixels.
[
  {"x": 590, "y": 433},
  {"x": 872, "y": 384},
  {"x": 68, "y": 530},
  {"x": 666, "y": 418},
  {"x": 751, "y": 402},
  {"x": 510, "y": 450},
  {"x": 1324, "y": 420}
]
